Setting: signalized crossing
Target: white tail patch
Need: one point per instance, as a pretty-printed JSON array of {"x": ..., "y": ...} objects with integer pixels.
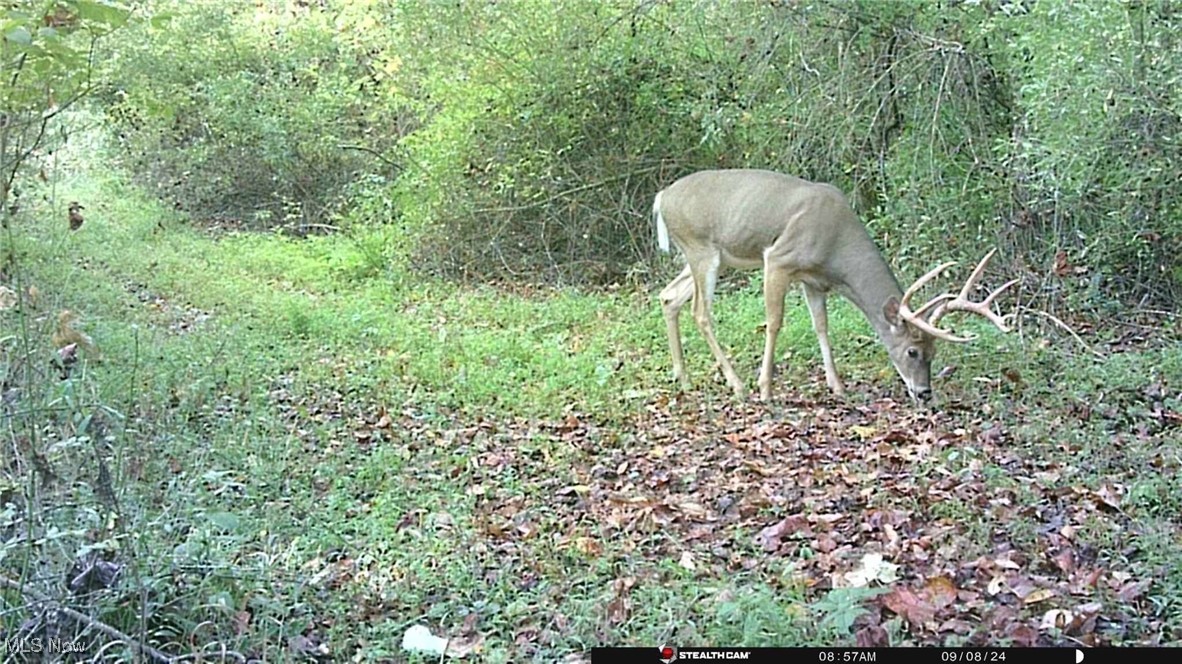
[{"x": 662, "y": 231}]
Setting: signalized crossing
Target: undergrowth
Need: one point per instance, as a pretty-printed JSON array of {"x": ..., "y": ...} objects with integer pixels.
[{"x": 281, "y": 448}]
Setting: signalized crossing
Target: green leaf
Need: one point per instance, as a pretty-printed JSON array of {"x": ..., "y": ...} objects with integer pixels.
[
  {"x": 94, "y": 11},
  {"x": 19, "y": 35},
  {"x": 224, "y": 520},
  {"x": 161, "y": 20},
  {"x": 842, "y": 606}
]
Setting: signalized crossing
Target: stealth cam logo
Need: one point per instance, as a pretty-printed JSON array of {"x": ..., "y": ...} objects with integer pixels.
[{"x": 668, "y": 654}]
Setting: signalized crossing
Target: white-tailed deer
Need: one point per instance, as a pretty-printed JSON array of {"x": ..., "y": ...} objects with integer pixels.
[{"x": 797, "y": 231}]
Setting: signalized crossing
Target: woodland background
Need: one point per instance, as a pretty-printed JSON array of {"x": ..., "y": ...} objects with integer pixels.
[{"x": 356, "y": 327}]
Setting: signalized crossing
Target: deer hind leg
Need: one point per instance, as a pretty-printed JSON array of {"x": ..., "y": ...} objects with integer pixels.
[
  {"x": 775, "y": 285},
  {"x": 673, "y": 298},
  {"x": 705, "y": 271},
  {"x": 816, "y": 299}
]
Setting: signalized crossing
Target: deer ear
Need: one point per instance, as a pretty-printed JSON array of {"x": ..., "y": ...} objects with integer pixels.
[{"x": 891, "y": 311}]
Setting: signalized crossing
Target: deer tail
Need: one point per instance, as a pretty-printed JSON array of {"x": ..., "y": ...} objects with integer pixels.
[{"x": 662, "y": 230}]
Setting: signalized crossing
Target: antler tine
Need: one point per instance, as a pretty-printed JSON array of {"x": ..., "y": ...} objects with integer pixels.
[
  {"x": 919, "y": 283},
  {"x": 984, "y": 307},
  {"x": 922, "y": 324},
  {"x": 977, "y": 272},
  {"x": 916, "y": 317}
]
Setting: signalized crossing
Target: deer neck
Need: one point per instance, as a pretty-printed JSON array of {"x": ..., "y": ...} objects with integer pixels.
[{"x": 869, "y": 283}]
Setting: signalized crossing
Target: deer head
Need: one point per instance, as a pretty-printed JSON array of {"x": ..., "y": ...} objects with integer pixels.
[{"x": 911, "y": 341}]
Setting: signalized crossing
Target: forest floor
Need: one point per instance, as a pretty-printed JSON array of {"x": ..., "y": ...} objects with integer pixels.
[{"x": 309, "y": 453}]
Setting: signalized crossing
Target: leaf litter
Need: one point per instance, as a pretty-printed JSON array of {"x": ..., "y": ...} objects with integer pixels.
[{"x": 971, "y": 532}]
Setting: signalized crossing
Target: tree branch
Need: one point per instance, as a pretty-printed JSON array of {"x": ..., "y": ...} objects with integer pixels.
[{"x": 568, "y": 192}]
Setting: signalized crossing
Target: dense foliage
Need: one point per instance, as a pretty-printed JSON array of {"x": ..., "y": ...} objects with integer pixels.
[{"x": 524, "y": 138}]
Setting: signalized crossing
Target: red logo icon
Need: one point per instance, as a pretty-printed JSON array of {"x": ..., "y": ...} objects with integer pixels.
[{"x": 668, "y": 654}]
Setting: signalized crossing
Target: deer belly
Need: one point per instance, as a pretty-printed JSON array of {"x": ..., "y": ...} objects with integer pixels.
[{"x": 741, "y": 262}]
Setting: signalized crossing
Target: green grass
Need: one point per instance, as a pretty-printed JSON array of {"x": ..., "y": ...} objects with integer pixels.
[{"x": 262, "y": 498}]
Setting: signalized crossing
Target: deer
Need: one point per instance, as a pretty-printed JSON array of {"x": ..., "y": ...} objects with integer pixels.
[{"x": 804, "y": 232}]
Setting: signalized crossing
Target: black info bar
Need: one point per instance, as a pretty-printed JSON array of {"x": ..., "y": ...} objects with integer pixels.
[{"x": 932, "y": 655}]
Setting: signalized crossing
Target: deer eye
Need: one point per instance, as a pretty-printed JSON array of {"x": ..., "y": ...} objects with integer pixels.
[{"x": 913, "y": 352}]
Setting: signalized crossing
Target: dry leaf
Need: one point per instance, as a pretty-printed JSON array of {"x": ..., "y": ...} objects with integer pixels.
[
  {"x": 1055, "y": 619},
  {"x": 7, "y": 298},
  {"x": 940, "y": 591},
  {"x": 1040, "y": 595},
  {"x": 873, "y": 636},
  {"x": 463, "y": 646},
  {"x": 1108, "y": 497},
  {"x": 863, "y": 432},
  {"x": 910, "y": 606}
]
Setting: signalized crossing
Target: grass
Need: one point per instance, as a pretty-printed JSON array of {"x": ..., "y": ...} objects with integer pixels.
[{"x": 245, "y": 378}]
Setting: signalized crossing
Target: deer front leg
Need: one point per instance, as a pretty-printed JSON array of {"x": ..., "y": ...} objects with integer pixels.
[
  {"x": 816, "y": 299},
  {"x": 705, "y": 271},
  {"x": 673, "y": 298},
  {"x": 775, "y": 285}
]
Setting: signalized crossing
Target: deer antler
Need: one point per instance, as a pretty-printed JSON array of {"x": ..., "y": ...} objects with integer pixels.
[
  {"x": 942, "y": 304},
  {"x": 962, "y": 302}
]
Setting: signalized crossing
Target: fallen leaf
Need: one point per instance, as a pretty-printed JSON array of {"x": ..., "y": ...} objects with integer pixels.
[
  {"x": 1022, "y": 635},
  {"x": 463, "y": 646},
  {"x": 1108, "y": 497},
  {"x": 241, "y": 622},
  {"x": 1061, "y": 267},
  {"x": 873, "y": 636},
  {"x": 687, "y": 561},
  {"x": 863, "y": 432},
  {"x": 910, "y": 606},
  {"x": 769, "y": 538},
  {"x": 1040, "y": 595},
  {"x": 1065, "y": 561},
  {"x": 872, "y": 568},
  {"x": 1132, "y": 590},
  {"x": 1055, "y": 619},
  {"x": 940, "y": 591}
]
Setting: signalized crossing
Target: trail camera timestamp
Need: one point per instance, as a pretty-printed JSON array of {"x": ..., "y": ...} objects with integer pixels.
[
  {"x": 972, "y": 656},
  {"x": 852, "y": 656}
]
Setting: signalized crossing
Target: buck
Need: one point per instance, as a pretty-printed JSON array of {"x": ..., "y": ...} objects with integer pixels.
[{"x": 798, "y": 232}]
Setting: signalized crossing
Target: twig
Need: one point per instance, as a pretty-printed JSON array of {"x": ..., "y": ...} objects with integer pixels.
[
  {"x": 307, "y": 227},
  {"x": 568, "y": 192},
  {"x": 80, "y": 617},
  {"x": 392, "y": 164},
  {"x": 1072, "y": 332}
]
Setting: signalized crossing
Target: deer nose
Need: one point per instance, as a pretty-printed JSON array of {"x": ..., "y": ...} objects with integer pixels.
[{"x": 923, "y": 394}]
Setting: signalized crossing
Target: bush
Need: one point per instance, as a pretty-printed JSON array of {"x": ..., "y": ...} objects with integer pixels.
[
  {"x": 239, "y": 113},
  {"x": 526, "y": 140}
]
